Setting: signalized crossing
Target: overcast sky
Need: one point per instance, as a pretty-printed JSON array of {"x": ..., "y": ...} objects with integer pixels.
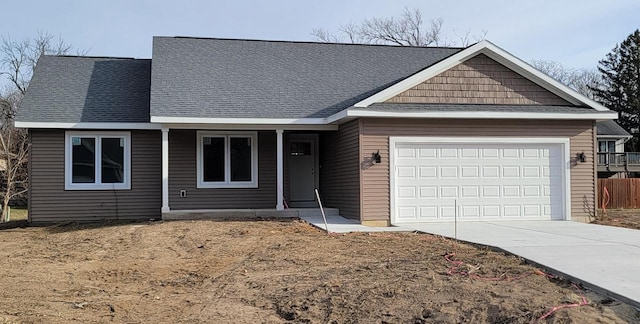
[{"x": 575, "y": 33}]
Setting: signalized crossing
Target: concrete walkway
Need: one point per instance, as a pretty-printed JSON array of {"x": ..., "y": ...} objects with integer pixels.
[
  {"x": 603, "y": 258},
  {"x": 339, "y": 224}
]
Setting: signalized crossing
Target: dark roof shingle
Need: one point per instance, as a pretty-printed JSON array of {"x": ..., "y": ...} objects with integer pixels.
[
  {"x": 87, "y": 89},
  {"x": 610, "y": 127},
  {"x": 219, "y": 78}
]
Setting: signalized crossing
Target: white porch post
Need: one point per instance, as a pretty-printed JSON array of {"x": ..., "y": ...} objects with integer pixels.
[
  {"x": 165, "y": 170},
  {"x": 280, "y": 172}
]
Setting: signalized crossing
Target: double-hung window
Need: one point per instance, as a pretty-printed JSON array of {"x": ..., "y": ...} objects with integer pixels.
[
  {"x": 227, "y": 159},
  {"x": 97, "y": 160}
]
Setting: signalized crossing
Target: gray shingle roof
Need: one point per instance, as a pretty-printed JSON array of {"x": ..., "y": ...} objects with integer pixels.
[
  {"x": 87, "y": 89},
  {"x": 610, "y": 127},
  {"x": 411, "y": 107},
  {"x": 218, "y": 78}
]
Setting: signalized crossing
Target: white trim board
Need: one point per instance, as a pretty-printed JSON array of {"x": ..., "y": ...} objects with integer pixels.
[
  {"x": 566, "y": 158},
  {"x": 273, "y": 127},
  {"x": 150, "y": 126},
  {"x": 472, "y": 115},
  {"x": 246, "y": 121},
  {"x": 496, "y": 53}
]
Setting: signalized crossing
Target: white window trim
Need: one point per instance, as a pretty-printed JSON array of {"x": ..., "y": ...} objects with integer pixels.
[
  {"x": 227, "y": 161},
  {"x": 68, "y": 162}
]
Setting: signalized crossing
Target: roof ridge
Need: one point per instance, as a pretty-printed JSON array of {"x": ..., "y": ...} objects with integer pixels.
[
  {"x": 98, "y": 57},
  {"x": 304, "y": 42}
]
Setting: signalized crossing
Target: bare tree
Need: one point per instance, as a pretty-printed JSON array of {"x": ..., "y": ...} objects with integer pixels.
[
  {"x": 581, "y": 80},
  {"x": 18, "y": 59},
  {"x": 409, "y": 29},
  {"x": 14, "y": 148}
]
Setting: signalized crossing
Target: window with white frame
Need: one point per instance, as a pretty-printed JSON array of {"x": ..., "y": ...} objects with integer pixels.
[
  {"x": 607, "y": 146},
  {"x": 97, "y": 160},
  {"x": 227, "y": 159}
]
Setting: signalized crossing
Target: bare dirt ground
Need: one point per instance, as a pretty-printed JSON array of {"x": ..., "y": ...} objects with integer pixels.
[
  {"x": 272, "y": 272},
  {"x": 629, "y": 218}
]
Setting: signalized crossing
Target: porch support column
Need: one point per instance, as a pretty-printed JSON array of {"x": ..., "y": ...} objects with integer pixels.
[
  {"x": 280, "y": 172},
  {"x": 165, "y": 170}
]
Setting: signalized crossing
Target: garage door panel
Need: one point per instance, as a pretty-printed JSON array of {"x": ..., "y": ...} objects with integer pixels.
[{"x": 485, "y": 181}]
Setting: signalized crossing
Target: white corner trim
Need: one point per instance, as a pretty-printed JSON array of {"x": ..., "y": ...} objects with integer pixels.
[
  {"x": 566, "y": 160},
  {"x": 246, "y": 121},
  {"x": 165, "y": 170},
  {"x": 496, "y": 53},
  {"x": 473, "y": 115},
  {"x": 105, "y": 126}
]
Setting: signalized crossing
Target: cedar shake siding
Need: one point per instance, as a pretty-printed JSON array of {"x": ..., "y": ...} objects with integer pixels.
[
  {"x": 376, "y": 132},
  {"x": 183, "y": 176},
  {"x": 340, "y": 169},
  {"x": 479, "y": 80},
  {"x": 49, "y": 202}
]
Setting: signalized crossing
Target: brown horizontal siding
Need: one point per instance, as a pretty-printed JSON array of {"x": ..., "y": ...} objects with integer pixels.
[
  {"x": 183, "y": 169},
  {"x": 340, "y": 171},
  {"x": 479, "y": 80},
  {"x": 376, "y": 132},
  {"x": 49, "y": 202}
]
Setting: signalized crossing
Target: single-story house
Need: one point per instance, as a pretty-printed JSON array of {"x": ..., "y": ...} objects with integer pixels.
[
  {"x": 387, "y": 134},
  {"x": 612, "y": 160}
]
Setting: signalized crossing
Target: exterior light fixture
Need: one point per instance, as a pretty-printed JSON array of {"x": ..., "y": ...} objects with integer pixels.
[
  {"x": 582, "y": 157},
  {"x": 376, "y": 157}
]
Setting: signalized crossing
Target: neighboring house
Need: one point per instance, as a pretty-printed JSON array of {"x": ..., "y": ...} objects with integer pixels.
[
  {"x": 387, "y": 134},
  {"x": 613, "y": 162}
]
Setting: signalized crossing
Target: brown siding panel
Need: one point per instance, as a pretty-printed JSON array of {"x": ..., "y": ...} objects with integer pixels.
[
  {"x": 479, "y": 80},
  {"x": 376, "y": 132},
  {"x": 49, "y": 202},
  {"x": 340, "y": 171},
  {"x": 182, "y": 175}
]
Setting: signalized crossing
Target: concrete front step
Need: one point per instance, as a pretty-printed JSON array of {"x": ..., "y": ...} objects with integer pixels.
[{"x": 247, "y": 213}]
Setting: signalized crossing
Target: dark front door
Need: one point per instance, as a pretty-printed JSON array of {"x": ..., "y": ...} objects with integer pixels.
[{"x": 302, "y": 170}]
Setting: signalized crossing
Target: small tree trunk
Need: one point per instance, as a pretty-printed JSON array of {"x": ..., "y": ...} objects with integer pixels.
[
  {"x": 5, "y": 206},
  {"x": 5, "y": 211}
]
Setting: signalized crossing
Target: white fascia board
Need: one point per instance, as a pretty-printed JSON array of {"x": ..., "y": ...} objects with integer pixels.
[
  {"x": 338, "y": 116},
  {"x": 19, "y": 124},
  {"x": 614, "y": 136},
  {"x": 250, "y": 127},
  {"x": 481, "y": 115},
  {"x": 499, "y": 55},
  {"x": 245, "y": 121}
]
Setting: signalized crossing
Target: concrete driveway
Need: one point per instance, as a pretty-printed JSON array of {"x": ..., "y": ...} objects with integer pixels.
[{"x": 604, "y": 258}]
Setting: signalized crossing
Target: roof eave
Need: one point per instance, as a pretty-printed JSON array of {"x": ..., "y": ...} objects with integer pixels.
[{"x": 350, "y": 113}]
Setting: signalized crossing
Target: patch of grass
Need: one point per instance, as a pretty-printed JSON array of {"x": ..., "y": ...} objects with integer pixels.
[{"x": 19, "y": 213}]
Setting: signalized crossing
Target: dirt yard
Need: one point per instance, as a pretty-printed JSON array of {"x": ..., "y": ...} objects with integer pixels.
[
  {"x": 272, "y": 272},
  {"x": 629, "y": 218}
]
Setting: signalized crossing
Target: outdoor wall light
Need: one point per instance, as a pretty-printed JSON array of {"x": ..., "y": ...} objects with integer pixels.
[
  {"x": 376, "y": 157},
  {"x": 582, "y": 157}
]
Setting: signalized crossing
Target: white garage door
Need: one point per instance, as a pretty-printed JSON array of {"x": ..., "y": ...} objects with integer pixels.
[{"x": 514, "y": 181}]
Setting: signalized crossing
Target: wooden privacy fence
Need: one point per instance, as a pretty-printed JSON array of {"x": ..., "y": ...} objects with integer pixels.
[{"x": 623, "y": 193}]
